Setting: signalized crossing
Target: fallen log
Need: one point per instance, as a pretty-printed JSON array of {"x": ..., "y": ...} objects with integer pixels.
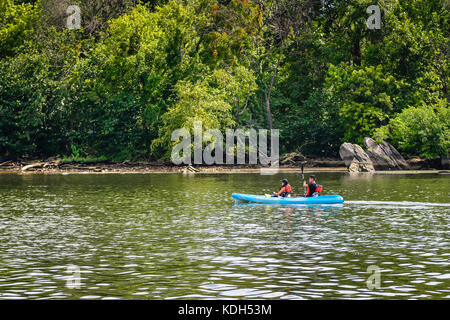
[
  {"x": 190, "y": 169},
  {"x": 52, "y": 164},
  {"x": 34, "y": 165},
  {"x": 5, "y": 162}
]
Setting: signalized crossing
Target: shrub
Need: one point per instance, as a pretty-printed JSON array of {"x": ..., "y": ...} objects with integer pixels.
[{"x": 422, "y": 131}]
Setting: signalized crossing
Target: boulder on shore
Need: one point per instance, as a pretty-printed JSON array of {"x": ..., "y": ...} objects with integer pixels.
[
  {"x": 381, "y": 156},
  {"x": 355, "y": 158},
  {"x": 384, "y": 156}
]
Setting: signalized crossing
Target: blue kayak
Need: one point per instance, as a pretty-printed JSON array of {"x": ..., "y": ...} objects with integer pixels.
[{"x": 329, "y": 199}]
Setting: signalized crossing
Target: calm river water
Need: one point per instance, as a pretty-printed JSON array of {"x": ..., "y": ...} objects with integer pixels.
[{"x": 172, "y": 236}]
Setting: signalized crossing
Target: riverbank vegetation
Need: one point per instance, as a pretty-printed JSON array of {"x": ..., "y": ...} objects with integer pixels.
[{"x": 135, "y": 71}]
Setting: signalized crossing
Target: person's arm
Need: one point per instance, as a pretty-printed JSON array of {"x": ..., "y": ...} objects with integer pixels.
[
  {"x": 305, "y": 185},
  {"x": 283, "y": 189}
]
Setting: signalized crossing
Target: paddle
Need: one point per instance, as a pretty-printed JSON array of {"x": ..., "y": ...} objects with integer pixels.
[{"x": 303, "y": 179}]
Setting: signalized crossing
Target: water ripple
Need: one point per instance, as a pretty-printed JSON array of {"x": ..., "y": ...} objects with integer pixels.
[{"x": 173, "y": 236}]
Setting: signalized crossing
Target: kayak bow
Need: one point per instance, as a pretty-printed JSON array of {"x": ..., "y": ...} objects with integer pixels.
[{"x": 329, "y": 199}]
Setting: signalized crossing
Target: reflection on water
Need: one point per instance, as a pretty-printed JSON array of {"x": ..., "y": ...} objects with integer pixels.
[
  {"x": 308, "y": 208},
  {"x": 168, "y": 236}
]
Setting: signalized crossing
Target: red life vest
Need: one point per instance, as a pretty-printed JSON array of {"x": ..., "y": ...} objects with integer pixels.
[
  {"x": 318, "y": 190},
  {"x": 287, "y": 190}
]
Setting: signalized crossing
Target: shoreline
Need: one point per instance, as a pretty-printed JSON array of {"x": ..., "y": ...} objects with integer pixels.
[
  {"x": 114, "y": 168},
  {"x": 162, "y": 169},
  {"x": 56, "y": 166}
]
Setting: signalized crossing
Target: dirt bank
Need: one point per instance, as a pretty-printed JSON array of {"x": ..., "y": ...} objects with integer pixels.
[{"x": 56, "y": 166}]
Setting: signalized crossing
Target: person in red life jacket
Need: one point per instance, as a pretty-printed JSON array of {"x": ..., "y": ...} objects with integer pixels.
[
  {"x": 313, "y": 189},
  {"x": 285, "y": 189}
]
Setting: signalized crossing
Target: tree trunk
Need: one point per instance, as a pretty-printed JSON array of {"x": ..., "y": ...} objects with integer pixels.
[
  {"x": 239, "y": 113},
  {"x": 356, "y": 52},
  {"x": 269, "y": 93}
]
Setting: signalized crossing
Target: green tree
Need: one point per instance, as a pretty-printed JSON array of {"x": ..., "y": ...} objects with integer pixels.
[
  {"x": 366, "y": 98},
  {"x": 196, "y": 102},
  {"x": 423, "y": 131},
  {"x": 16, "y": 21}
]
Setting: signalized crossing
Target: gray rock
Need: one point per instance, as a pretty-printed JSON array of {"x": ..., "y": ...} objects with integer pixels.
[
  {"x": 384, "y": 156},
  {"x": 355, "y": 158}
]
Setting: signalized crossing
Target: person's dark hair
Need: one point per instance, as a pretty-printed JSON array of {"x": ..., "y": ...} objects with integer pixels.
[{"x": 313, "y": 177}]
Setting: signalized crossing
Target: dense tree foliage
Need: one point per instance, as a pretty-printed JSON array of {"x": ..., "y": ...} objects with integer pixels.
[
  {"x": 423, "y": 131},
  {"x": 137, "y": 70}
]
